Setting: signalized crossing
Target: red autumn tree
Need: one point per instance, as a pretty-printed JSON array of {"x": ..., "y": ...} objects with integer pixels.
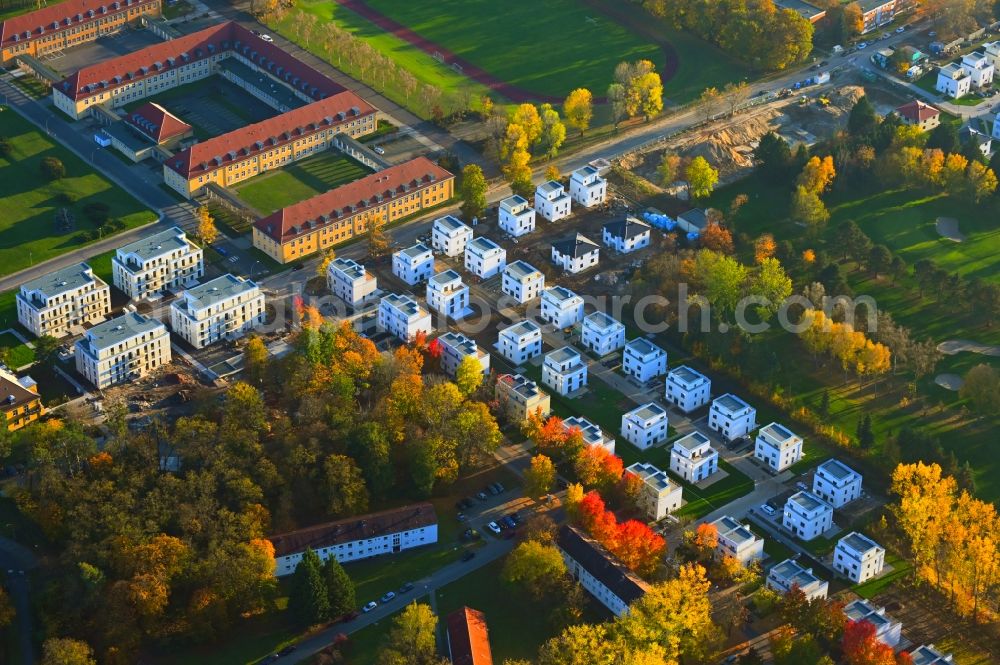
[
  {"x": 595, "y": 466},
  {"x": 638, "y": 547},
  {"x": 718, "y": 238},
  {"x": 597, "y": 520},
  {"x": 434, "y": 349},
  {"x": 862, "y": 647}
]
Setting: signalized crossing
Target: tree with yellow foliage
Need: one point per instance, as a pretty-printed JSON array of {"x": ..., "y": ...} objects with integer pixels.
[
  {"x": 817, "y": 175},
  {"x": 579, "y": 109},
  {"x": 764, "y": 247},
  {"x": 526, "y": 119},
  {"x": 324, "y": 262},
  {"x": 206, "y": 226}
]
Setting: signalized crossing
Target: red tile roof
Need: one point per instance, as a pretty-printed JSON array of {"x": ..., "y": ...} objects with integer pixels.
[
  {"x": 917, "y": 111},
  {"x": 63, "y": 15},
  {"x": 158, "y": 58},
  {"x": 239, "y": 144},
  {"x": 468, "y": 638},
  {"x": 352, "y": 198},
  {"x": 156, "y": 122}
]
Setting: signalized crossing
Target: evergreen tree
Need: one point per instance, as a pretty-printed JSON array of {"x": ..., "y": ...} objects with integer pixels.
[
  {"x": 944, "y": 137},
  {"x": 339, "y": 588},
  {"x": 308, "y": 596},
  {"x": 824, "y": 403},
  {"x": 862, "y": 120},
  {"x": 773, "y": 154},
  {"x": 971, "y": 151},
  {"x": 865, "y": 435}
]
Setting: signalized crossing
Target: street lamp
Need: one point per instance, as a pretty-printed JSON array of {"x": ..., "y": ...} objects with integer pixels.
[{"x": 252, "y": 267}]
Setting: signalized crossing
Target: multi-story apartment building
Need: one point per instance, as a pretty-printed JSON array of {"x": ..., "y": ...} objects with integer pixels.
[
  {"x": 157, "y": 263},
  {"x": 598, "y": 571},
  {"x": 22, "y": 405},
  {"x": 456, "y": 347},
  {"x": 564, "y": 370},
  {"x": 626, "y": 235},
  {"x": 62, "y": 300},
  {"x": 517, "y": 217},
  {"x": 587, "y": 187},
  {"x": 348, "y": 211},
  {"x": 349, "y": 281},
  {"x": 520, "y": 397},
  {"x": 807, "y": 516},
  {"x": 858, "y": 557},
  {"x": 520, "y": 342},
  {"x": 789, "y": 574},
  {"x": 887, "y": 630},
  {"x": 777, "y": 446},
  {"x": 836, "y": 483},
  {"x": 592, "y": 434},
  {"x": 359, "y": 537},
  {"x": 687, "y": 389},
  {"x": 447, "y": 294},
  {"x": 226, "y": 307},
  {"x": 484, "y": 258},
  {"x": 738, "y": 541},
  {"x": 561, "y": 307},
  {"x": 876, "y": 13},
  {"x": 551, "y": 201},
  {"x": 602, "y": 334},
  {"x": 576, "y": 253},
  {"x": 643, "y": 360},
  {"x": 60, "y": 26},
  {"x": 122, "y": 349},
  {"x": 413, "y": 264},
  {"x": 401, "y": 316},
  {"x": 693, "y": 458},
  {"x": 450, "y": 236},
  {"x": 645, "y": 426},
  {"x": 658, "y": 495},
  {"x": 732, "y": 417},
  {"x": 522, "y": 281}
]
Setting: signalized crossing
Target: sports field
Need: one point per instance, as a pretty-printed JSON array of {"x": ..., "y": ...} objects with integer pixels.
[{"x": 302, "y": 180}]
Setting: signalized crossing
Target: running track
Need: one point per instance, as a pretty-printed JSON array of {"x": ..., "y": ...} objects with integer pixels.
[{"x": 511, "y": 92}]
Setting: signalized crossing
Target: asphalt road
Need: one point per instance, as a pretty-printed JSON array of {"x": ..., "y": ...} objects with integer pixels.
[{"x": 15, "y": 560}]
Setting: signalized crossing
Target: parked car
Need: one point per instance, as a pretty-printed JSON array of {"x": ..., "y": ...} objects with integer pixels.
[
  {"x": 492, "y": 489},
  {"x": 468, "y": 556},
  {"x": 516, "y": 517},
  {"x": 267, "y": 38},
  {"x": 379, "y": 150},
  {"x": 862, "y": 45},
  {"x": 508, "y": 522},
  {"x": 494, "y": 527},
  {"x": 500, "y": 487},
  {"x": 387, "y": 597},
  {"x": 482, "y": 496},
  {"x": 901, "y": 28},
  {"x": 802, "y": 486},
  {"x": 768, "y": 509},
  {"x": 461, "y": 517},
  {"x": 369, "y": 607},
  {"x": 406, "y": 588}
]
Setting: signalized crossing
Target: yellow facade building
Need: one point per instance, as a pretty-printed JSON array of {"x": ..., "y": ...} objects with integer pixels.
[{"x": 21, "y": 404}]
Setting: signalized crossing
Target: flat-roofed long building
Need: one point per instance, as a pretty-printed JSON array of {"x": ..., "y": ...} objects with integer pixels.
[
  {"x": 359, "y": 537},
  {"x": 157, "y": 263},
  {"x": 62, "y": 300},
  {"x": 226, "y": 307},
  {"x": 122, "y": 349},
  {"x": 598, "y": 571},
  {"x": 347, "y": 211}
]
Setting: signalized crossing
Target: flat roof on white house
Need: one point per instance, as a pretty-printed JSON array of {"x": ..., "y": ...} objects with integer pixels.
[
  {"x": 777, "y": 435},
  {"x": 450, "y": 223},
  {"x": 482, "y": 245},
  {"x": 730, "y": 403},
  {"x": 686, "y": 376},
  {"x": 521, "y": 270},
  {"x": 512, "y": 202},
  {"x": 651, "y": 476},
  {"x": 692, "y": 441},
  {"x": 564, "y": 354},
  {"x": 603, "y": 322},
  {"x": 521, "y": 328},
  {"x": 115, "y": 331},
  {"x": 647, "y": 411},
  {"x": 560, "y": 294},
  {"x": 415, "y": 251},
  {"x": 643, "y": 347},
  {"x": 731, "y": 529},
  {"x": 60, "y": 281},
  {"x": 351, "y": 268},
  {"x": 157, "y": 244},
  {"x": 445, "y": 277},
  {"x": 807, "y": 502},
  {"x": 859, "y": 542},
  {"x": 550, "y": 186},
  {"x": 403, "y": 303},
  {"x": 219, "y": 289},
  {"x": 792, "y": 572}
]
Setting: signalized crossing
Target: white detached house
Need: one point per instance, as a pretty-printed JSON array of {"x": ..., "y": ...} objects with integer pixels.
[
  {"x": 659, "y": 495},
  {"x": 402, "y": 317},
  {"x": 687, "y": 389},
  {"x": 732, "y": 417},
  {"x": 592, "y": 434},
  {"x": 484, "y": 258},
  {"x": 517, "y": 217},
  {"x": 602, "y": 334},
  {"x": 575, "y": 254},
  {"x": 777, "y": 446},
  {"x": 738, "y": 541},
  {"x": 626, "y": 235},
  {"x": 643, "y": 360},
  {"x": 456, "y": 347},
  {"x": 790, "y": 574},
  {"x": 858, "y": 557},
  {"x": 561, "y": 307},
  {"x": 522, "y": 281},
  {"x": 807, "y": 516},
  {"x": 587, "y": 187},
  {"x": 836, "y": 483},
  {"x": 693, "y": 458},
  {"x": 551, "y": 201},
  {"x": 564, "y": 370},
  {"x": 447, "y": 294},
  {"x": 520, "y": 342},
  {"x": 414, "y": 264},
  {"x": 887, "y": 629},
  {"x": 645, "y": 426},
  {"x": 450, "y": 236},
  {"x": 349, "y": 281}
]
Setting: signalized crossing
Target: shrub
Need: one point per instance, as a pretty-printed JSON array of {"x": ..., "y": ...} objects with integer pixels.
[
  {"x": 6, "y": 149},
  {"x": 53, "y": 168}
]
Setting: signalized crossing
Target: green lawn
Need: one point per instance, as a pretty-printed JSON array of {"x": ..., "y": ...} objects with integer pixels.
[
  {"x": 900, "y": 569},
  {"x": 17, "y": 354},
  {"x": 700, "y": 502},
  {"x": 28, "y": 233},
  {"x": 320, "y": 173}
]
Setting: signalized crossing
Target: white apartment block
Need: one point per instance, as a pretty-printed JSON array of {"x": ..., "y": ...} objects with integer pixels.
[
  {"x": 226, "y": 307},
  {"x": 447, "y": 294},
  {"x": 732, "y": 417},
  {"x": 858, "y": 557},
  {"x": 520, "y": 397},
  {"x": 414, "y": 264},
  {"x": 359, "y": 537},
  {"x": 738, "y": 541},
  {"x": 62, "y": 300},
  {"x": 157, "y": 263},
  {"x": 484, "y": 258},
  {"x": 456, "y": 347},
  {"x": 687, "y": 389},
  {"x": 602, "y": 334},
  {"x": 887, "y": 630},
  {"x": 591, "y": 433},
  {"x": 564, "y": 370},
  {"x": 122, "y": 349},
  {"x": 450, "y": 236},
  {"x": 645, "y": 426},
  {"x": 693, "y": 458},
  {"x": 928, "y": 654},
  {"x": 598, "y": 571},
  {"x": 836, "y": 483},
  {"x": 643, "y": 360},
  {"x": 517, "y": 217},
  {"x": 587, "y": 187},
  {"x": 520, "y": 342},
  {"x": 561, "y": 307},
  {"x": 777, "y": 446},
  {"x": 551, "y": 201},
  {"x": 626, "y": 235},
  {"x": 402, "y": 317},
  {"x": 789, "y": 573},
  {"x": 522, "y": 281},
  {"x": 348, "y": 280},
  {"x": 659, "y": 495},
  {"x": 807, "y": 516},
  {"x": 576, "y": 253}
]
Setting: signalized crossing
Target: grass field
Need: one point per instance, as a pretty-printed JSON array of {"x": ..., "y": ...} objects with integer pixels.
[
  {"x": 299, "y": 181},
  {"x": 28, "y": 233},
  {"x": 17, "y": 354}
]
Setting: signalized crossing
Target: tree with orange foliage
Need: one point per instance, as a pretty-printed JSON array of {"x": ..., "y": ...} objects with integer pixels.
[
  {"x": 817, "y": 175},
  {"x": 808, "y": 256},
  {"x": 595, "y": 466},
  {"x": 638, "y": 547},
  {"x": 419, "y": 341},
  {"x": 705, "y": 539},
  {"x": 764, "y": 247},
  {"x": 717, "y": 238},
  {"x": 597, "y": 520}
]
